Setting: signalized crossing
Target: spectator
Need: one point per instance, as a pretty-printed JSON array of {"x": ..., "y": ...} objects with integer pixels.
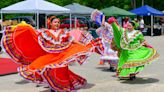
[
  {"x": 141, "y": 24},
  {"x": 125, "y": 22}
]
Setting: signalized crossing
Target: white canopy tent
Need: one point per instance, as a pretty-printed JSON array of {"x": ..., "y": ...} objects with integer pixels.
[{"x": 35, "y": 6}]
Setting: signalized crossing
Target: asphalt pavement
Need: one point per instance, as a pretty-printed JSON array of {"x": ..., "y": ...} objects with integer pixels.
[{"x": 99, "y": 78}]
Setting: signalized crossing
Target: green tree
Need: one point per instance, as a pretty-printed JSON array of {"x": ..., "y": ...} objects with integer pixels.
[
  {"x": 99, "y": 4},
  {"x": 5, "y": 3}
]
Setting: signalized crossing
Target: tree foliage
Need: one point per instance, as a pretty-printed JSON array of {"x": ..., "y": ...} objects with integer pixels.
[
  {"x": 5, "y": 3},
  {"x": 98, "y": 4}
]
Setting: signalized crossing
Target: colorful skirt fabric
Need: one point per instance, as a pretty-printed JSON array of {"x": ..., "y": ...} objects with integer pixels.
[
  {"x": 108, "y": 53},
  {"x": 21, "y": 43},
  {"x": 60, "y": 79},
  {"x": 133, "y": 61},
  {"x": 133, "y": 56}
]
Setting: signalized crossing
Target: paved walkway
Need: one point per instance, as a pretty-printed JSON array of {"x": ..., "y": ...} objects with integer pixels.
[{"x": 151, "y": 79}]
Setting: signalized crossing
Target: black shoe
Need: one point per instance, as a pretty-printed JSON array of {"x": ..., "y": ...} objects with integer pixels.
[
  {"x": 132, "y": 77},
  {"x": 37, "y": 85},
  {"x": 124, "y": 78},
  {"x": 112, "y": 69},
  {"x": 52, "y": 90}
]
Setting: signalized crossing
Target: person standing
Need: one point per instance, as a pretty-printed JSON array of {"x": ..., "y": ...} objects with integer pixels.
[
  {"x": 141, "y": 24},
  {"x": 125, "y": 22}
]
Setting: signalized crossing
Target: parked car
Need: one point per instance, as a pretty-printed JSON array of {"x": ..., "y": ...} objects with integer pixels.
[
  {"x": 84, "y": 19},
  {"x": 65, "y": 23},
  {"x": 27, "y": 19}
]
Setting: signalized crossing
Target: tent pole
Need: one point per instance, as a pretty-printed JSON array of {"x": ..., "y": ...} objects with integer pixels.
[
  {"x": 1, "y": 30},
  {"x": 70, "y": 21},
  {"x": 37, "y": 20},
  {"x": 1, "y": 22},
  {"x": 45, "y": 20},
  {"x": 75, "y": 22},
  {"x": 162, "y": 30},
  {"x": 151, "y": 25},
  {"x": 36, "y": 4}
]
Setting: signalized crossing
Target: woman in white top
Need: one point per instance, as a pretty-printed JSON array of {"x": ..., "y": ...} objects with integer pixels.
[{"x": 141, "y": 23}]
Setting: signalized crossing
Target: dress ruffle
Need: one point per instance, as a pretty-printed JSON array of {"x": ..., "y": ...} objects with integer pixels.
[
  {"x": 61, "y": 79},
  {"x": 133, "y": 55},
  {"x": 40, "y": 66},
  {"x": 20, "y": 42},
  {"x": 50, "y": 43},
  {"x": 142, "y": 62}
]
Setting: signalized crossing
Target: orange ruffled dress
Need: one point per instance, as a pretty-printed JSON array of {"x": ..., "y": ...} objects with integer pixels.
[{"x": 45, "y": 55}]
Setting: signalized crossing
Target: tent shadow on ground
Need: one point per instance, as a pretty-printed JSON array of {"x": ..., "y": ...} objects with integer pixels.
[
  {"x": 87, "y": 86},
  {"x": 140, "y": 80},
  {"x": 22, "y": 82},
  {"x": 104, "y": 68}
]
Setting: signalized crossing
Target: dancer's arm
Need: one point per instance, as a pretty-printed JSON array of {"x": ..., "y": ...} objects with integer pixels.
[
  {"x": 114, "y": 24},
  {"x": 143, "y": 41},
  {"x": 117, "y": 30},
  {"x": 103, "y": 21}
]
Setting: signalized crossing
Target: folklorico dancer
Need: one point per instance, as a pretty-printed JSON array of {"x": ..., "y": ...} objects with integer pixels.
[
  {"x": 46, "y": 53},
  {"x": 105, "y": 32},
  {"x": 134, "y": 51}
]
